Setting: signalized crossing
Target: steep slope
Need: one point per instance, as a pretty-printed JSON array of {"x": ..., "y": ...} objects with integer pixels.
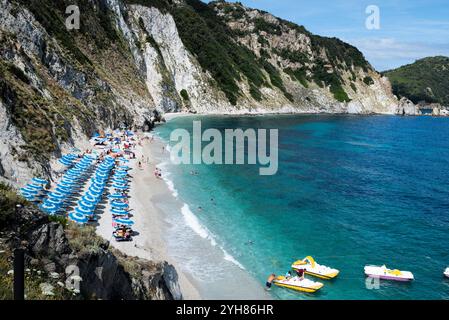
[
  {"x": 132, "y": 57},
  {"x": 424, "y": 80},
  {"x": 265, "y": 63}
]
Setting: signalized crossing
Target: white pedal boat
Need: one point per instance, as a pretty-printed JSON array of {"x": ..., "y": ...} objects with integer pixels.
[
  {"x": 312, "y": 268},
  {"x": 298, "y": 284},
  {"x": 388, "y": 274},
  {"x": 446, "y": 272}
]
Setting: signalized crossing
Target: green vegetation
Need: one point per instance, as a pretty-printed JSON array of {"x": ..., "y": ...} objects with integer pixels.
[
  {"x": 208, "y": 37},
  {"x": 292, "y": 56},
  {"x": 275, "y": 78},
  {"x": 8, "y": 201},
  {"x": 298, "y": 74},
  {"x": 425, "y": 80},
  {"x": 332, "y": 79},
  {"x": 28, "y": 112},
  {"x": 339, "y": 51},
  {"x": 33, "y": 279},
  {"x": 184, "y": 95},
  {"x": 368, "y": 80},
  {"x": 84, "y": 240},
  {"x": 49, "y": 14},
  {"x": 263, "y": 25}
]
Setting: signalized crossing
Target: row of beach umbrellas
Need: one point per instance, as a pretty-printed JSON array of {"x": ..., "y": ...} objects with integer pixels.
[
  {"x": 120, "y": 182},
  {"x": 68, "y": 159},
  {"x": 69, "y": 184},
  {"x": 33, "y": 190},
  {"x": 86, "y": 205}
]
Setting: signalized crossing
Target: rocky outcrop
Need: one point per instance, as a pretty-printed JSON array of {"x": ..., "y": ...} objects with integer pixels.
[
  {"x": 407, "y": 108},
  {"x": 103, "y": 274}
]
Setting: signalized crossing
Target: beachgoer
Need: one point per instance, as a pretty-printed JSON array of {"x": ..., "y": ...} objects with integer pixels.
[
  {"x": 270, "y": 281},
  {"x": 300, "y": 273},
  {"x": 288, "y": 275}
]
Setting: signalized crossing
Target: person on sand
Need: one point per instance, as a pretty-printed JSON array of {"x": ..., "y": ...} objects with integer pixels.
[
  {"x": 270, "y": 281},
  {"x": 140, "y": 165}
]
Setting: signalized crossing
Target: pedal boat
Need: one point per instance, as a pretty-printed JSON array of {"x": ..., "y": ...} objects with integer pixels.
[
  {"x": 446, "y": 272},
  {"x": 387, "y": 274},
  {"x": 297, "y": 284},
  {"x": 314, "y": 269}
]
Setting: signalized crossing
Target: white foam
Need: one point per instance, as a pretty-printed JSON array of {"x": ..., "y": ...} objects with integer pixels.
[
  {"x": 193, "y": 222},
  {"x": 230, "y": 258},
  {"x": 165, "y": 176}
]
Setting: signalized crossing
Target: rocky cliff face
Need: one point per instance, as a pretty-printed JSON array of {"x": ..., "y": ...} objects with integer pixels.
[
  {"x": 70, "y": 255},
  {"x": 131, "y": 57}
]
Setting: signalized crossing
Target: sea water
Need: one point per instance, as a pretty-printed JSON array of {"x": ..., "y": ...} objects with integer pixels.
[{"x": 350, "y": 191}]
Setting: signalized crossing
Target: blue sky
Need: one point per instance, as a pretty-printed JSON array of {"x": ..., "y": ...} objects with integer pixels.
[{"x": 409, "y": 30}]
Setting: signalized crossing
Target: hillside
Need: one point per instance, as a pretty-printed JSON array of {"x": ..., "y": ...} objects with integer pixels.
[
  {"x": 133, "y": 59},
  {"x": 424, "y": 80}
]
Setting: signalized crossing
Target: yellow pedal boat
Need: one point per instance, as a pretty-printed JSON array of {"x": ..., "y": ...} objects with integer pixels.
[
  {"x": 310, "y": 267},
  {"x": 298, "y": 284}
]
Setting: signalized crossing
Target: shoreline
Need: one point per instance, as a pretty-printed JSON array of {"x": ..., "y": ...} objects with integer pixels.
[
  {"x": 148, "y": 243},
  {"x": 173, "y": 115},
  {"x": 156, "y": 212}
]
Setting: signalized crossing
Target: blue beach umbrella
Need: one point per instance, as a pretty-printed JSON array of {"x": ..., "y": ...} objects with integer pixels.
[
  {"x": 56, "y": 202},
  {"x": 125, "y": 222},
  {"x": 66, "y": 184},
  {"x": 33, "y": 186},
  {"x": 124, "y": 176},
  {"x": 89, "y": 198},
  {"x": 102, "y": 169},
  {"x": 65, "y": 162},
  {"x": 63, "y": 190},
  {"x": 73, "y": 172},
  {"x": 27, "y": 195},
  {"x": 56, "y": 195},
  {"x": 101, "y": 174},
  {"x": 94, "y": 193},
  {"x": 116, "y": 196},
  {"x": 120, "y": 187},
  {"x": 97, "y": 182},
  {"x": 119, "y": 212},
  {"x": 119, "y": 176},
  {"x": 39, "y": 180},
  {"x": 119, "y": 204},
  {"x": 96, "y": 190},
  {"x": 83, "y": 210},
  {"x": 49, "y": 207},
  {"x": 78, "y": 217},
  {"x": 119, "y": 181},
  {"x": 29, "y": 191},
  {"x": 88, "y": 205}
]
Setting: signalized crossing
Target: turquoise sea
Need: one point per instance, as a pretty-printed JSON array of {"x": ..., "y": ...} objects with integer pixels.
[{"x": 350, "y": 191}]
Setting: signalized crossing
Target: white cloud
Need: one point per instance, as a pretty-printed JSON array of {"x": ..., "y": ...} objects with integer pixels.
[{"x": 387, "y": 53}]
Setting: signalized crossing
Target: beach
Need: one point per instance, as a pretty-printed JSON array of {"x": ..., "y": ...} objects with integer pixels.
[{"x": 156, "y": 211}]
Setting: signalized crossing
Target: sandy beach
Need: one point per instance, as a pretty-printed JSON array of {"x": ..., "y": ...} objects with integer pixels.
[{"x": 150, "y": 200}]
